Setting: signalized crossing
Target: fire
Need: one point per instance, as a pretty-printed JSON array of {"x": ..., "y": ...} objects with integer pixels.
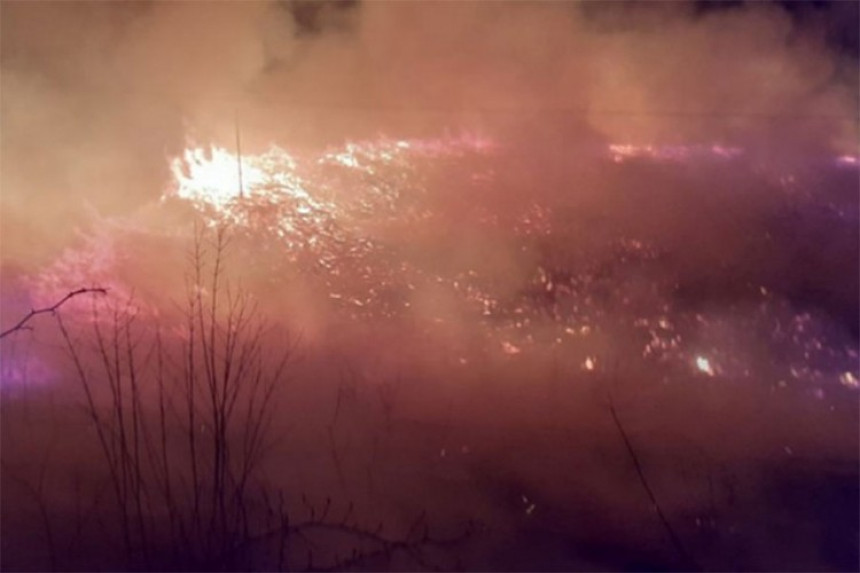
[
  {"x": 213, "y": 175},
  {"x": 672, "y": 153},
  {"x": 329, "y": 216},
  {"x": 704, "y": 365},
  {"x": 322, "y": 193}
]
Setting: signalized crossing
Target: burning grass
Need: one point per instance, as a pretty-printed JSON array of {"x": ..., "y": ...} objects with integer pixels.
[{"x": 467, "y": 350}]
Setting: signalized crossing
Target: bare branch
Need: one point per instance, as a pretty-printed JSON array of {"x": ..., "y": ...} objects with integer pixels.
[
  {"x": 676, "y": 541},
  {"x": 22, "y": 324}
]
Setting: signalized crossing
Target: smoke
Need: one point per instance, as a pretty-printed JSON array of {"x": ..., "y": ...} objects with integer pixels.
[{"x": 98, "y": 98}]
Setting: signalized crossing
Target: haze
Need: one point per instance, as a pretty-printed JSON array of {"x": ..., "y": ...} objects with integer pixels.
[{"x": 558, "y": 286}]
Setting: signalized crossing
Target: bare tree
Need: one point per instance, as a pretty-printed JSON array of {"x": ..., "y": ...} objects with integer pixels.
[
  {"x": 183, "y": 423},
  {"x": 22, "y": 324}
]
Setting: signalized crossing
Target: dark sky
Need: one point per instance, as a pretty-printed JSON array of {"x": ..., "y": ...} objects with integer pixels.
[{"x": 840, "y": 19}]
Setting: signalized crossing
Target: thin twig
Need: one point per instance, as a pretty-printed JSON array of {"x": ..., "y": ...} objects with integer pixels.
[
  {"x": 50, "y": 309},
  {"x": 676, "y": 541}
]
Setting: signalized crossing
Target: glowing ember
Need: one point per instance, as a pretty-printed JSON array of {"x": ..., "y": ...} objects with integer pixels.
[
  {"x": 328, "y": 217},
  {"x": 849, "y": 380},
  {"x": 675, "y": 153},
  {"x": 511, "y": 349},
  {"x": 704, "y": 365}
]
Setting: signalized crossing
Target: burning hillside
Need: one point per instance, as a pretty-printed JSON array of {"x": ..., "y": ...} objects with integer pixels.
[
  {"x": 375, "y": 230},
  {"x": 423, "y": 286}
]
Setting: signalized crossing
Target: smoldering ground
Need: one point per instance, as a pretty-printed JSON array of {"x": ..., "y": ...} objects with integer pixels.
[{"x": 517, "y": 248}]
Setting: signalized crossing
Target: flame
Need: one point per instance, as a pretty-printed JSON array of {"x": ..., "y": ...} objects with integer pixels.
[
  {"x": 319, "y": 214},
  {"x": 212, "y": 175},
  {"x": 620, "y": 152}
]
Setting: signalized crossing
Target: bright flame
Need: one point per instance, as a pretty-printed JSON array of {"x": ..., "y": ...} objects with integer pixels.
[{"x": 212, "y": 176}]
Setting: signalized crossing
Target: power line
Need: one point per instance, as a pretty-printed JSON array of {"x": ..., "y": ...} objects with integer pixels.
[{"x": 582, "y": 112}]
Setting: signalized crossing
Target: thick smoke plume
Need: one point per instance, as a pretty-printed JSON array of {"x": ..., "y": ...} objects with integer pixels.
[{"x": 97, "y": 95}]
